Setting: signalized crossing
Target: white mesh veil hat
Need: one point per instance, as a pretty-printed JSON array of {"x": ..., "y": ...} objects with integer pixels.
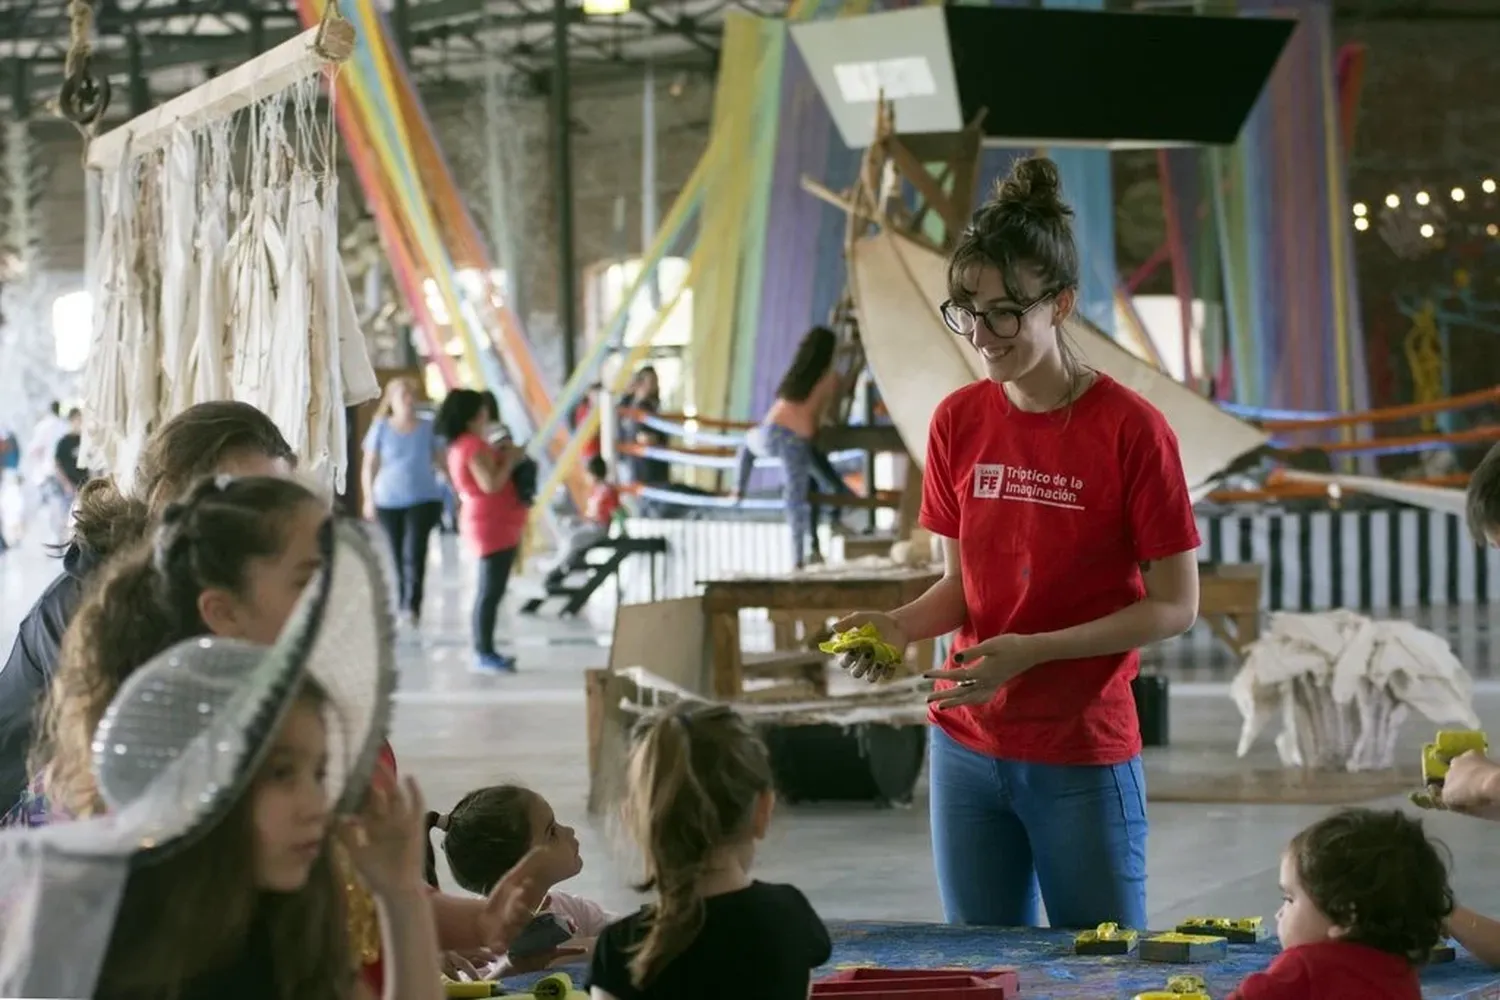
[{"x": 178, "y": 747}]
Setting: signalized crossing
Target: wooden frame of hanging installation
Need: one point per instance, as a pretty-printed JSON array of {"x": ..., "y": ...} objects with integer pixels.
[{"x": 331, "y": 42}]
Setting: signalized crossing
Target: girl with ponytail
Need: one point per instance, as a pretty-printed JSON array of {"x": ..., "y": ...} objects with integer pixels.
[{"x": 700, "y": 799}]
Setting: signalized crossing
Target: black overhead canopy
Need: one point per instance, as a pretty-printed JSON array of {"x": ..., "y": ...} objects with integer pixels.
[{"x": 1055, "y": 77}]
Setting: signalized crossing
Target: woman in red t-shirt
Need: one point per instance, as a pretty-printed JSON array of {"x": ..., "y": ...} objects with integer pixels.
[
  {"x": 1069, "y": 541},
  {"x": 491, "y": 514}
]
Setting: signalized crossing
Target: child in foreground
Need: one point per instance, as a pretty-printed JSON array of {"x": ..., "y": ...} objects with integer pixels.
[
  {"x": 700, "y": 799},
  {"x": 252, "y": 909},
  {"x": 487, "y": 834},
  {"x": 1365, "y": 898}
]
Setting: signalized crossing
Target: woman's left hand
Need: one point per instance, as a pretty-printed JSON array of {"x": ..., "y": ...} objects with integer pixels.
[{"x": 983, "y": 669}]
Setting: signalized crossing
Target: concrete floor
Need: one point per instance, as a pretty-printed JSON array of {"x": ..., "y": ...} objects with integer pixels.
[{"x": 456, "y": 730}]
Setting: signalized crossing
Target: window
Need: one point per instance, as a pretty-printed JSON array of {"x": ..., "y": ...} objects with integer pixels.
[
  {"x": 614, "y": 280},
  {"x": 1161, "y": 315},
  {"x": 606, "y": 286},
  {"x": 72, "y": 330}
]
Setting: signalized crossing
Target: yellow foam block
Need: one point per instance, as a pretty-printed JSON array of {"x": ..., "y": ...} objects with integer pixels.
[
  {"x": 865, "y": 639},
  {"x": 1450, "y": 743}
]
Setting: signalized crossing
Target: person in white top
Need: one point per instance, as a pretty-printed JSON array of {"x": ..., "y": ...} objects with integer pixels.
[
  {"x": 485, "y": 835},
  {"x": 39, "y": 465},
  {"x": 41, "y": 445}
]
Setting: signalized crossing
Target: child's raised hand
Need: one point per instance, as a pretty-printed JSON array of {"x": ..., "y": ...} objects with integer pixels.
[
  {"x": 385, "y": 840},
  {"x": 514, "y": 900}
]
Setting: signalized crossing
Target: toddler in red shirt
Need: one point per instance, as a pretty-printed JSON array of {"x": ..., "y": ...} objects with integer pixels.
[
  {"x": 593, "y": 527},
  {"x": 1364, "y": 900}
]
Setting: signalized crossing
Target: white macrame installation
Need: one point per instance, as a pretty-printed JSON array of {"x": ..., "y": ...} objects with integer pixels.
[
  {"x": 29, "y": 377},
  {"x": 219, "y": 275},
  {"x": 1342, "y": 684}
]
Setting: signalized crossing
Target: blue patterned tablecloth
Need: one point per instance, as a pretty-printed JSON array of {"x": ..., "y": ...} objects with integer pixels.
[{"x": 1050, "y": 971}]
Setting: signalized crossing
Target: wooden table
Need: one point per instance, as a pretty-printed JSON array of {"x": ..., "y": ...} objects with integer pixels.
[
  {"x": 1229, "y": 602},
  {"x": 826, "y": 594}
]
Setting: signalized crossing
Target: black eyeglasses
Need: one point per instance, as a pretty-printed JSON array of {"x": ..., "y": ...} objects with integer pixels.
[{"x": 1003, "y": 321}]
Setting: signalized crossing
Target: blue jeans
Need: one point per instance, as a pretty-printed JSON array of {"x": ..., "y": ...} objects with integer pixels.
[{"x": 1002, "y": 830}]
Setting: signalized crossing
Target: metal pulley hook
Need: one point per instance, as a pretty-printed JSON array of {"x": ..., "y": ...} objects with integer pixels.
[{"x": 84, "y": 97}]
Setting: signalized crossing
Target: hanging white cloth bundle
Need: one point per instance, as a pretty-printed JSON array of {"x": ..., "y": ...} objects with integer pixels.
[
  {"x": 218, "y": 266},
  {"x": 1343, "y": 684}
]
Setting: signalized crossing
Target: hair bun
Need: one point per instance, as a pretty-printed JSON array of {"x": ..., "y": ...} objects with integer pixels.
[{"x": 1035, "y": 185}]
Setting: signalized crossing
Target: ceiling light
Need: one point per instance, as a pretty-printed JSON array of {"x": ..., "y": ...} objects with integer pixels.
[
  {"x": 1393, "y": 201},
  {"x": 1488, "y": 184},
  {"x": 1361, "y": 223},
  {"x": 1457, "y": 194},
  {"x": 1361, "y": 209},
  {"x": 1422, "y": 198},
  {"x": 1427, "y": 230},
  {"x": 1492, "y": 229},
  {"x": 605, "y": 7}
]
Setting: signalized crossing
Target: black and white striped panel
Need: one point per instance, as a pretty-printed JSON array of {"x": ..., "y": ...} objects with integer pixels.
[
  {"x": 1367, "y": 559},
  {"x": 705, "y": 550}
]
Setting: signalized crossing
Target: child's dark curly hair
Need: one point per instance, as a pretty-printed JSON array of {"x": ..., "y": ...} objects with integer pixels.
[{"x": 1378, "y": 875}]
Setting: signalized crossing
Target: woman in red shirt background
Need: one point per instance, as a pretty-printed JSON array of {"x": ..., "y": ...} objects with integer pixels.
[
  {"x": 1069, "y": 542},
  {"x": 491, "y": 513}
]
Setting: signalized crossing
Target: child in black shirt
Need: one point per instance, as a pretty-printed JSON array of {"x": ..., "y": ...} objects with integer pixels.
[{"x": 700, "y": 799}]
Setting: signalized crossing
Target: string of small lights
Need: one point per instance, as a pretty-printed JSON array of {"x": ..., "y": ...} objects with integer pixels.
[{"x": 1413, "y": 221}]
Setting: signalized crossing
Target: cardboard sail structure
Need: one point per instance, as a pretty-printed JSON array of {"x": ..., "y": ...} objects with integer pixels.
[{"x": 898, "y": 285}]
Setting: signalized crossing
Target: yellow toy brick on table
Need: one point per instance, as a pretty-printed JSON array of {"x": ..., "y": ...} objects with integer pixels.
[
  {"x": 1178, "y": 988},
  {"x": 1106, "y": 939},
  {"x": 557, "y": 986}
]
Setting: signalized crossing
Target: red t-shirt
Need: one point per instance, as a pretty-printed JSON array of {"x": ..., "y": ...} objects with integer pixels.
[
  {"x": 593, "y": 446},
  {"x": 603, "y": 501},
  {"x": 491, "y": 522},
  {"x": 1333, "y": 970},
  {"x": 1053, "y": 513}
]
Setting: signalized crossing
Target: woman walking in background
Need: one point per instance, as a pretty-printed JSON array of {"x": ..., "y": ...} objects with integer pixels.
[
  {"x": 402, "y": 489},
  {"x": 787, "y": 432},
  {"x": 491, "y": 514}
]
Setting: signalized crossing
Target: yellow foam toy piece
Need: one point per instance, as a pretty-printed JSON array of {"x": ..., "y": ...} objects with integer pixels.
[
  {"x": 865, "y": 639},
  {"x": 1437, "y": 755},
  {"x": 1450, "y": 743},
  {"x": 1106, "y": 932},
  {"x": 1178, "y": 988}
]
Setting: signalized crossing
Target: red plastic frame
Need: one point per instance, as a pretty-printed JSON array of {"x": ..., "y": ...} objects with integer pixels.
[{"x": 920, "y": 984}]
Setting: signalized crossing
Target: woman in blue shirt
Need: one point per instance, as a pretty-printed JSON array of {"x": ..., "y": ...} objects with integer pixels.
[{"x": 403, "y": 460}]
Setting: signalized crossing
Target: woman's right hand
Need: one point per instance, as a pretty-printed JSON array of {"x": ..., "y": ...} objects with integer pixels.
[{"x": 862, "y": 663}]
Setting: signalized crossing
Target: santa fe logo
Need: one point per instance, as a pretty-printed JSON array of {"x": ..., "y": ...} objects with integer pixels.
[
  {"x": 1000, "y": 482},
  {"x": 989, "y": 480}
]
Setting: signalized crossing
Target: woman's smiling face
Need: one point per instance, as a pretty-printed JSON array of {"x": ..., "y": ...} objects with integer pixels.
[{"x": 1034, "y": 321}]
